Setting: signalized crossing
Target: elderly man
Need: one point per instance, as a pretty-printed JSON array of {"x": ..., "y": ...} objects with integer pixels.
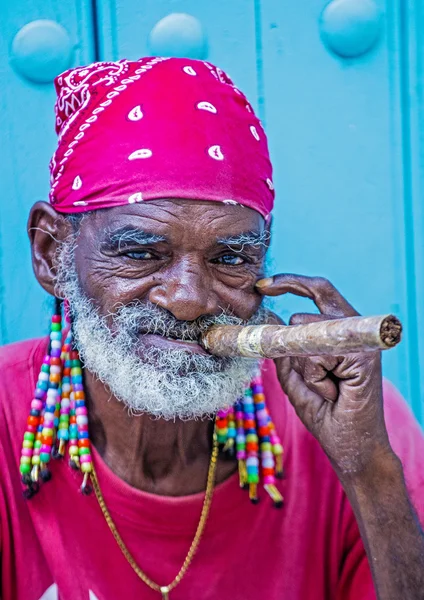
[{"x": 157, "y": 228}]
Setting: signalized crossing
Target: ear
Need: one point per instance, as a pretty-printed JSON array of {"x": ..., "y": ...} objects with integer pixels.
[{"x": 47, "y": 229}]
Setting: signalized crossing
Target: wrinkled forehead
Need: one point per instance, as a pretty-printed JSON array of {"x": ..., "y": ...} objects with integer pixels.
[{"x": 200, "y": 221}]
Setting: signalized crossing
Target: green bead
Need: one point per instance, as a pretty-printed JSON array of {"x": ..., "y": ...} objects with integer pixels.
[
  {"x": 56, "y": 327},
  {"x": 240, "y": 446},
  {"x": 63, "y": 418},
  {"x": 45, "y": 368},
  {"x": 63, "y": 425},
  {"x": 44, "y": 457},
  {"x": 24, "y": 468},
  {"x": 75, "y": 363},
  {"x": 252, "y": 478},
  {"x": 29, "y": 436},
  {"x": 37, "y": 444},
  {"x": 84, "y": 451},
  {"x": 248, "y": 393}
]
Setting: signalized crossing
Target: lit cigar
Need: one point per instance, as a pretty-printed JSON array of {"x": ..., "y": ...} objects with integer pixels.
[{"x": 336, "y": 337}]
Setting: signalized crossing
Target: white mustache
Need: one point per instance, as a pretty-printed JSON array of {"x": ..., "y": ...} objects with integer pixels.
[{"x": 142, "y": 318}]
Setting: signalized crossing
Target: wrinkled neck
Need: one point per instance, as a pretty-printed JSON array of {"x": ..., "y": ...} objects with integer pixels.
[{"x": 169, "y": 458}]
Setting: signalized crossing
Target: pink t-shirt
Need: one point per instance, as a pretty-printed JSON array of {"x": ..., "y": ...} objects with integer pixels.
[{"x": 58, "y": 544}]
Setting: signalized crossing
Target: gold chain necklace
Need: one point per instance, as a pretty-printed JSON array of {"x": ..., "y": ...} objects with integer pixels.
[{"x": 165, "y": 589}]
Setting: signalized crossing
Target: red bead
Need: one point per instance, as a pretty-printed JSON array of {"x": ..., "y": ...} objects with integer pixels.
[
  {"x": 264, "y": 431},
  {"x": 73, "y": 355},
  {"x": 250, "y": 424},
  {"x": 33, "y": 421},
  {"x": 84, "y": 442},
  {"x": 55, "y": 361},
  {"x": 47, "y": 439},
  {"x": 267, "y": 471},
  {"x": 252, "y": 447},
  {"x": 56, "y": 319}
]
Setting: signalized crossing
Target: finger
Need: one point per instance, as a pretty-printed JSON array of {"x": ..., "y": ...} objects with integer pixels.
[
  {"x": 304, "y": 318},
  {"x": 319, "y": 290},
  {"x": 315, "y": 373},
  {"x": 306, "y": 402}
]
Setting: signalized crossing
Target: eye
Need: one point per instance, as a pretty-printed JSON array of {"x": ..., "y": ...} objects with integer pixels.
[
  {"x": 231, "y": 260},
  {"x": 140, "y": 255}
]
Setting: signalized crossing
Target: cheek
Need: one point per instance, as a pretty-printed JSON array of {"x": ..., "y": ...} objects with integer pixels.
[
  {"x": 243, "y": 303},
  {"x": 105, "y": 285}
]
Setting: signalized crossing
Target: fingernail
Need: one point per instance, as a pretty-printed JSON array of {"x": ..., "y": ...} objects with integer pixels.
[{"x": 262, "y": 283}]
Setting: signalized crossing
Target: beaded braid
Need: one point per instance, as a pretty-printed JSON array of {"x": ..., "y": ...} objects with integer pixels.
[
  {"x": 57, "y": 414},
  {"x": 58, "y": 417}
]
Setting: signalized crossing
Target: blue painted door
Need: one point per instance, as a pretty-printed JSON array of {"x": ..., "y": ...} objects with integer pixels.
[{"x": 339, "y": 89}]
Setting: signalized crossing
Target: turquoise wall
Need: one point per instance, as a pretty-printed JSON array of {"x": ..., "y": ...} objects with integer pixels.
[{"x": 339, "y": 88}]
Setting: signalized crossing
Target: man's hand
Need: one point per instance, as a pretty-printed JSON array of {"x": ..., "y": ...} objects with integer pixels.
[{"x": 338, "y": 398}]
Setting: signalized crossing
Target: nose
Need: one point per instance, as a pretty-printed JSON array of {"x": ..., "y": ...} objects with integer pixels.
[{"x": 186, "y": 293}]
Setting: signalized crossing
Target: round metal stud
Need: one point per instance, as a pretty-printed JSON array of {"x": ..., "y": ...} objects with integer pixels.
[
  {"x": 178, "y": 34},
  {"x": 350, "y": 28},
  {"x": 41, "y": 50}
]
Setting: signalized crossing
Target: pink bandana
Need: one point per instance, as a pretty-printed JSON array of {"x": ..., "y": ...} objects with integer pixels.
[{"x": 156, "y": 128}]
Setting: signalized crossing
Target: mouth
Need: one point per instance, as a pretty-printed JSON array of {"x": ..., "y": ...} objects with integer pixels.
[{"x": 170, "y": 343}]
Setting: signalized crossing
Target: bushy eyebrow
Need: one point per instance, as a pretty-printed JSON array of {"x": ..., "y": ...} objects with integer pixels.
[
  {"x": 251, "y": 239},
  {"x": 125, "y": 236}
]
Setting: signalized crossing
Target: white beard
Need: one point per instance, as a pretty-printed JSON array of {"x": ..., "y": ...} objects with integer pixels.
[{"x": 169, "y": 384}]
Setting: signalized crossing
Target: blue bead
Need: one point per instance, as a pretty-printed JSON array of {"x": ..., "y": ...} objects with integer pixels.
[
  {"x": 43, "y": 385},
  {"x": 50, "y": 409},
  {"x": 82, "y": 435},
  {"x": 34, "y": 413},
  {"x": 251, "y": 469},
  {"x": 63, "y": 434},
  {"x": 260, "y": 405},
  {"x": 79, "y": 403},
  {"x": 265, "y": 438},
  {"x": 77, "y": 379}
]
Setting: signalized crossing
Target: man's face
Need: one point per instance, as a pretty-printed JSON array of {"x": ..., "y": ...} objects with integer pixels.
[
  {"x": 190, "y": 258},
  {"x": 145, "y": 281}
]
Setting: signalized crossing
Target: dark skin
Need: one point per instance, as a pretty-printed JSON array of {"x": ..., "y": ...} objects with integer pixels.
[{"x": 339, "y": 399}]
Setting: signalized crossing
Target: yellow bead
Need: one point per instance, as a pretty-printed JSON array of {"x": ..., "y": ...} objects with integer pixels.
[
  {"x": 73, "y": 450},
  {"x": 86, "y": 467},
  {"x": 36, "y": 459},
  {"x": 27, "y": 444},
  {"x": 25, "y": 460}
]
